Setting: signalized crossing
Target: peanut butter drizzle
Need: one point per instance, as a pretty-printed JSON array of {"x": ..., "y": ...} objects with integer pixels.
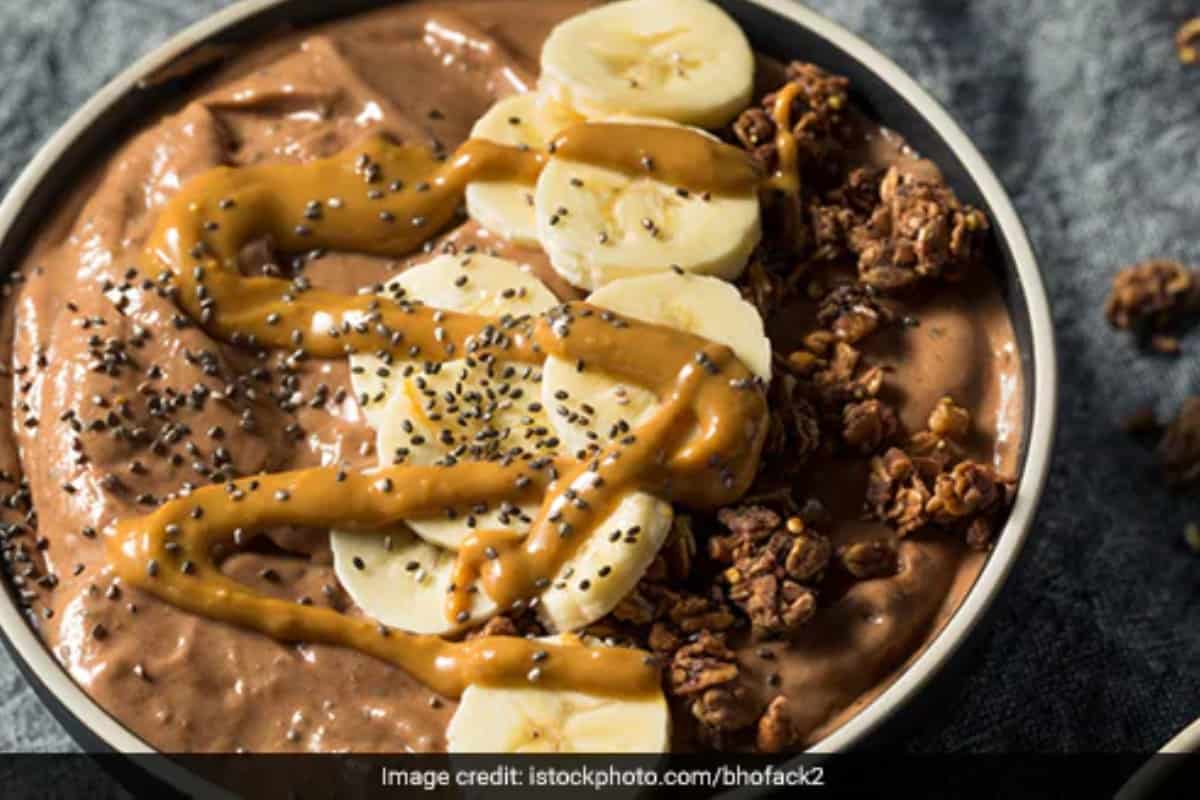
[
  {"x": 700, "y": 448},
  {"x": 169, "y": 554},
  {"x": 709, "y": 409},
  {"x": 676, "y": 155},
  {"x": 786, "y": 178}
]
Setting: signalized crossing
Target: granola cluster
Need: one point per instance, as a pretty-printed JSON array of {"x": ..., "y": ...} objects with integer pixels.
[
  {"x": 899, "y": 226},
  {"x": 818, "y": 118},
  {"x": 832, "y": 380},
  {"x": 918, "y": 230},
  {"x": 825, "y": 399},
  {"x": 771, "y": 570},
  {"x": 1185, "y": 41},
  {"x": 928, "y": 483},
  {"x": 835, "y": 214},
  {"x": 1153, "y": 299},
  {"x": 852, "y": 312},
  {"x": 705, "y": 673},
  {"x": 869, "y": 424}
]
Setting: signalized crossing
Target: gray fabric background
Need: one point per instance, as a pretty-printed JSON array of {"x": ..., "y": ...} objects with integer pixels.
[{"x": 1094, "y": 128}]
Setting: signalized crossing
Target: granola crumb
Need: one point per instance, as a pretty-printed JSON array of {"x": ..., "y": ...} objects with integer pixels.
[
  {"x": 852, "y": 312},
  {"x": 868, "y": 560},
  {"x": 950, "y": 420},
  {"x": 869, "y": 425},
  {"x": 1167, "y": 345},
  {"x": 523, "y": 624},
  {"x": 776, "y": 733},
  {"x": 1186, "y": 38},
  {"x": 1152, "y": 298}
]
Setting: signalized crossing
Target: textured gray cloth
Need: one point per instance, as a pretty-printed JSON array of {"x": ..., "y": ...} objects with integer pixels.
[{"x": 1094, "y": 127}]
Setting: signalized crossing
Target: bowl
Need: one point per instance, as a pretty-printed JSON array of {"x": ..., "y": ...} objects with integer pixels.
[
  {"x": 1168, "y": 772},
  {"x": 779, "y": 28}
]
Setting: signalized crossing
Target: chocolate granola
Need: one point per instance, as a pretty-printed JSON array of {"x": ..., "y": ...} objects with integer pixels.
[{"x": 1154, "y": 299}]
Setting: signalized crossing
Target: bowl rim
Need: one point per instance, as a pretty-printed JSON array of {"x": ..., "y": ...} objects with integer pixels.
[
  {"x": 1148, "y": 782},
  {"x": 36, "y": 661}
]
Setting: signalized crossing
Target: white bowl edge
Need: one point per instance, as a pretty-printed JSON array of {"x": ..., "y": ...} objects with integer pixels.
[{"x": 38, "y": 659}]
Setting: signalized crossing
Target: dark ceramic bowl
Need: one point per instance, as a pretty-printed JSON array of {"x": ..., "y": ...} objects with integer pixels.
[{"x": 778, "y": 28}]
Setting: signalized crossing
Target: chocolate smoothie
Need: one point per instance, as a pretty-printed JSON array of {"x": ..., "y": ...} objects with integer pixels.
[{"x": 123, "y": 401}]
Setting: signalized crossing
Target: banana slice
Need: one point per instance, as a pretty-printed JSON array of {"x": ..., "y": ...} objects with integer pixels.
[
  {"x": 402, "y": 581},
  {"x": 424, "y": 413},
  {"x": 533, "y": 720},
  {"x": 684, "y": 60},
  {"x": 504, "y": 207},
  {"x": 472, "y": 283},
  {"x": 599, "y": 225},
  {"x": 608, "y": 564},
  {"x": 448, "y": 414},
  {"x": 428, "y": 414},
  {"x": 589, "y": 408}
]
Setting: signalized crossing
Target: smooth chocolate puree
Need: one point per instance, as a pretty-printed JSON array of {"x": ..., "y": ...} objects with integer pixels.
[{"x": 421, "y": 74}]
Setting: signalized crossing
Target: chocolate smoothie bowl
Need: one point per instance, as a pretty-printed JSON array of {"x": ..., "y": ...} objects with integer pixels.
[{"x": 511, "y": 376}]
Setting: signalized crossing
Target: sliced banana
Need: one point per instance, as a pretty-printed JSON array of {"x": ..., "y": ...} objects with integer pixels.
[
  {"x": 599, "y": 225},
  {"x": 402, "y": 581},
  {"x": 425, "y": 412},
  {"x": 608, "y": 564},
  {"x": 684, "y": 60},
  {"x": 469, "y": 282},
  {"x": 506, "y": 207},
  {"x": 431, "y": 413},
  {"x": 590, "y": 408},
  {"x": 436, "y": 417},
  {"x": 533, "y": 720},
  {"x": 474, "y": 283}
]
